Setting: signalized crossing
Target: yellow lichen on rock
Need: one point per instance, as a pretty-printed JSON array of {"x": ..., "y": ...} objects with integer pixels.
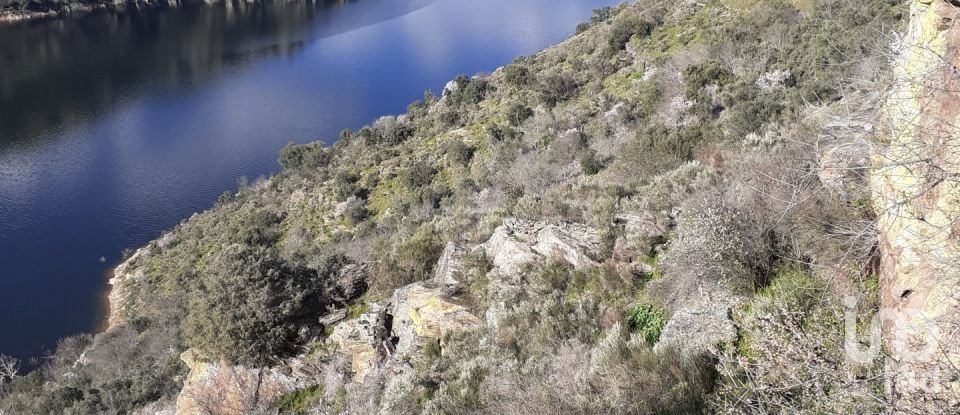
[
  {"x": 433, "y": 316},
  {"x": 918, "y": 201}
]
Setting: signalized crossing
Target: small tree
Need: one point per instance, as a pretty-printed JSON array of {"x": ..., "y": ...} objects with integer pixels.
[{"x": 9, "y": 367}]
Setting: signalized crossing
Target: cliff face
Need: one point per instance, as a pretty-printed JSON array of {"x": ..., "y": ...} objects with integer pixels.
[{"x": 918, "y": 199}]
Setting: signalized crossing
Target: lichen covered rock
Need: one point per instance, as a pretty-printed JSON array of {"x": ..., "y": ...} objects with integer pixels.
[
  {"x": 387, "y": 335},
  {"x": 218, "y": 387},
  {"x": 918, "y": 204}
]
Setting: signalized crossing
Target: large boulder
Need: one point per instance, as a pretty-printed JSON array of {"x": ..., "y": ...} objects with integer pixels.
[
  {"x": 422, "y": 311},
  {"x": 518, "y": 242},
  {"x": 351, "y": 283},
  {"x": 702, "y": 322}
]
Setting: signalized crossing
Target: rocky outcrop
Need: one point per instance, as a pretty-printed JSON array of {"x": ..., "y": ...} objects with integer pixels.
[
  {"x": 448, "y": 268},
  {"x": 365, "y": 340},
  {"x": 221, "y": 388},
  {"x": 517, "y": 242},
  {"x": 397, "y": 331},
  {"x": 421, "y": 311},
  {"x": 702, "y": 322},
  {"x": 351, "y": 283},
  {"x": 387, "y": 335},
  {"x": 917, "y": 196}
]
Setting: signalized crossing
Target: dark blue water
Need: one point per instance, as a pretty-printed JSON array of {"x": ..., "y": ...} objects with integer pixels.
[{"x": 114, "y": 128}]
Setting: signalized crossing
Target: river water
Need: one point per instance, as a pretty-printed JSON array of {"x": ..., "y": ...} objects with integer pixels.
[{"x": 114, "y": 127}]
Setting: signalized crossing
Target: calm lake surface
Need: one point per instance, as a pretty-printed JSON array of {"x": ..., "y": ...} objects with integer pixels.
[{"x": 114, "y": 128}]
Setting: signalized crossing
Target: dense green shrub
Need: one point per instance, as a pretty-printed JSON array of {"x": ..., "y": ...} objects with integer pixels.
[
  {"x": 345, "y": 184},
  {"x": 555, "y": 89},
  {"x": 300, "y": 401},
  {"x": 625, "y": 29},
  {"x": 497, "y": 134},
  {"x": 696, "y": 80},
  {"x": 248, "y": 304},
  {"x": 469, "y": 91},
  {"x": 386, "y": 131},
  {"x": 647, "y": 321},
  {"x": 696, "y": 77},
  {"x": 518, "y": 113},
  {"x": 589, "y": 163},
  {"x": 458, "y": 152},
  {"x": 659, "y": 148},
  {"x": 450, "y": 118},
  {"x": 312, "y": 155},
  {"x": 749, "y": 109},
  {"x": 518, "y": 75},
  {"x": 356, "y": 212},
  {"x": 417, "y": 176}
]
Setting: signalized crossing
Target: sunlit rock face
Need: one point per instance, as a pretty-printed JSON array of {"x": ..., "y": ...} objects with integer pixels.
[
  {"x": 218, "y": 387},
  {"x": 387, "y": 335},
  {"x": 518, "y": 242},
  {"x": 917, "y": 196}
]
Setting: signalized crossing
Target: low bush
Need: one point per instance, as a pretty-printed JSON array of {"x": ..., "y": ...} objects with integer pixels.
[
  {"x": 410, "y": 260},
  {"x": 518, "y": 75},
  {"x": 647, "y": 321},
  {"x": 304, "y": 156},
  {"x": 658, "y": 148},
  {"x": 589, "y": 163},
  {"x": 469, "y": 91},
  {"x": 301, "y": 401},
  {"x": 791, "y": 356},
  {"x": 345, "y": 184},
  {"x": 518, "y": 113},
  {"x": 555, "y": 89}
]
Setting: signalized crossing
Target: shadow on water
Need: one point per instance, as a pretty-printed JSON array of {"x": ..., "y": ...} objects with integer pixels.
[{"x": 64, "y": 71}]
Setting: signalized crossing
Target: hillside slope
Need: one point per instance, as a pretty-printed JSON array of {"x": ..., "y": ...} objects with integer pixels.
[{"x": 662, "y": 214}]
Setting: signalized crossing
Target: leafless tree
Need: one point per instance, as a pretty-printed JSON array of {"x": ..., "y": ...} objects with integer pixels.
[{"x": 9, "y": 367}]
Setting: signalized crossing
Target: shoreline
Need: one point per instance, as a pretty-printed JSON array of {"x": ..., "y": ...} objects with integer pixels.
[
  {"x": 108, "y": 312},
  {"x": 14, "y": 17},
  {"x": 101, "y": 321}
]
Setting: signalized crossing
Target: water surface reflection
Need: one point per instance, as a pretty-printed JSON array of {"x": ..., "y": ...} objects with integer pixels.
[{"x": 115, "y": 127}]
